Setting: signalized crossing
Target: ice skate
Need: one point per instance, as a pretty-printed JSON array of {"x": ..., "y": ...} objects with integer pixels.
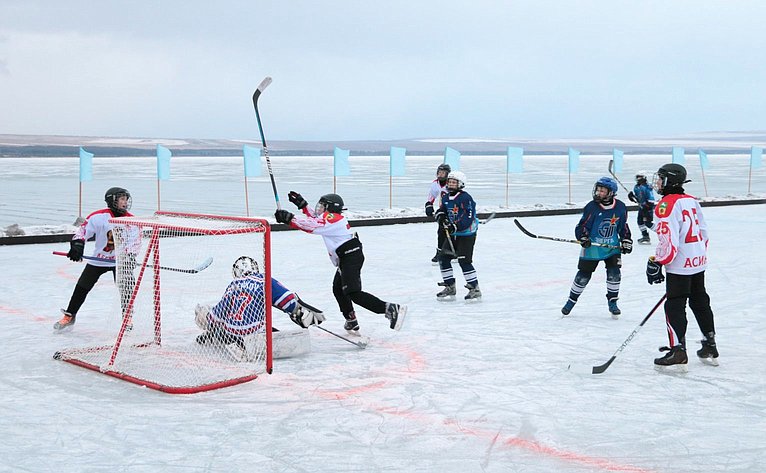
[
  {"x": 675, "y": 359},
  {"x": 644, "y": 240},
  {"x": 708, "y": 354},
  {"x": 66, "y": 322},
  {"x": 613, "y": 309},
  {"x": 448, "y": 293},
  {"x": 352, "y": 325},
  {"x": 474, "y": 293},
  {"x": 395, "y": 314},
  {"x": 568, "y": 306}
]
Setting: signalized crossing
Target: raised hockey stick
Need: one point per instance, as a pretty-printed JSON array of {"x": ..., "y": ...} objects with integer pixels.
[
  {"x": 362, "y": 343},
  {"x": 611, "y": 163},
  {"x": 261, "y": 87},
  {"x": 601, "y": 368},
  {"x": 193, "y": 270},
  {"x": 565, "y": 240}
]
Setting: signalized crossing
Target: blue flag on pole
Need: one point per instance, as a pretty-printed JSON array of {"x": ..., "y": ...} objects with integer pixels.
[
  {"x": 252, "y": 161},
  {"x": 163, "y": 163},
  {"x": 574, "y": 160},
  {"x": 515, "y": 161},
  {"x": 756, "y": 155},
  {"x": 678, "y": 155},
  {"x": 704, "y": 163},
  {"x": 397, "y": 161},
  {"x": 452, "y": 157},
  {"x": 86, "y": 166},
  {"x": 617, "y": 160},
  {"x": 340, "y": 162}
]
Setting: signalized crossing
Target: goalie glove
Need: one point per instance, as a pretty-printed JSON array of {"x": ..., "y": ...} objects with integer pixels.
[
  {"x": 200, "y": 316},
  {"x": 305, "y": 317}
]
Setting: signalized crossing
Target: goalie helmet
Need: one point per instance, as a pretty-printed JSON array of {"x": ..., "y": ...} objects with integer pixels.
[
  {"x": 456, "y": 176},
  {"x": 670, "y": 178},
  {"x": 611, "y": 189},
  {"x": 244, "y": 266},
  {"x": 332, "y": 203},
  {"x": 113, "y": 195}
]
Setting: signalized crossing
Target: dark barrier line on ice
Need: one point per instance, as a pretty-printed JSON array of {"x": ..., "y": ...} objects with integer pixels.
[{"x": 371, "y": 222}]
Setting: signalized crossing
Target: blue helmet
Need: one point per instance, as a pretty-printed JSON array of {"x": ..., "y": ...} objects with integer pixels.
[{"x": 610, "y": 185}]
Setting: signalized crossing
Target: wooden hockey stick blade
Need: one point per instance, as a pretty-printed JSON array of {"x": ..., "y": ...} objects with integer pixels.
[
  {"x": 196, "y": 269},
  {"x": 362, "y": 343}
]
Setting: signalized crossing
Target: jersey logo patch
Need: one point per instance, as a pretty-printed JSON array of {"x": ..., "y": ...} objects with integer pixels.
[{"x": 662, "y": 209}]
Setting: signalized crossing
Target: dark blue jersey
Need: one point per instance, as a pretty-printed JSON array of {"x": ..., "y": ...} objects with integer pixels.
[
  {"x": 461, "y": 210},
  {"x": 241, "y": 308},
  {"x": 644, "y": 196},
  {"x": 605, "y": 225}
]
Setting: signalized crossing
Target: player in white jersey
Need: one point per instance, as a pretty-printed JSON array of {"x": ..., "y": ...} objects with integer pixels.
[
  {"x": 97, "y": 225},
  {"x": 682, "y": 250},
  {"x": 346, "y": 254},
  {"x": 435, "y": 192}
]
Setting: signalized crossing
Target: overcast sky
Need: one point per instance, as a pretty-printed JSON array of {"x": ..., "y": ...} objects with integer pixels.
[{"x": 382, "y": 70}]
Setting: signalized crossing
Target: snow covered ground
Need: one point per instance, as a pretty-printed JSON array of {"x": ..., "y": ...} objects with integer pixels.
[{"x": 461, "y": 388}]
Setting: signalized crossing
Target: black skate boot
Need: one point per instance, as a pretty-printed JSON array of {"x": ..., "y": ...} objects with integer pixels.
[
  {"x": 474, "y": 293},
  {"x": 708, "y": 354},
  {"x": 613, "y": 309},
  {"x": 644, "y": 240},
  {"x": 448, "y": 293},
  {"x": 395, "y": 314},
  {"x": 676, "y": 356},
  {"x": 351, "y": 325}
]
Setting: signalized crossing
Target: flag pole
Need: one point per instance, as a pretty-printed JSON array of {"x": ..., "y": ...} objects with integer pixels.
[
  {"x": 247, "y": 200},
  {"x": 506, "y": 187},
  {"x": 79, "y": 210}
]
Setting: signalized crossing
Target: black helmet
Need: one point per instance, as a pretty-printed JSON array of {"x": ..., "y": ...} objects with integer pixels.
[
  {"x": 442, "y": 172},
  {"x": 332, "y": 203},
  {"x": 670, "y": 178},
  {"x": 111, "y": 197}
]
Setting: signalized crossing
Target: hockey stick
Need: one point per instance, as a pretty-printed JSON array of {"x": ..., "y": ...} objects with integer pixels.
[
  {"x": 261, "y": 87},
  {"x": 194, "y": 270},
  {"x": 601, "y": 368},
  {"x": 565, "y": 240},
  {"x": 488, "y": 219},
  {"x": 611, "y": 163},
  {"x": 449, "y": 240},
  {"x": 362, "y": 343}
]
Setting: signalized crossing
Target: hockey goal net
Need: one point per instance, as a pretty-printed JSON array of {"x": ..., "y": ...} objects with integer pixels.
[{"x": 167, "y": 265}]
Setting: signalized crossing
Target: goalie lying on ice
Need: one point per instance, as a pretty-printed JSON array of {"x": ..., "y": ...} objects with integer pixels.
[{"x": 240, "y": 312}]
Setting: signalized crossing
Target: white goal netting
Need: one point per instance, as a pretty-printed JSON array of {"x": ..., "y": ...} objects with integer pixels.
[{"x": 186, "y": 323}]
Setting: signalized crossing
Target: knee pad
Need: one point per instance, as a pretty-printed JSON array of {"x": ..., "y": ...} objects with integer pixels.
[
  {"x": 582, "y": 278},
  {"x": 613, "y": 275}
]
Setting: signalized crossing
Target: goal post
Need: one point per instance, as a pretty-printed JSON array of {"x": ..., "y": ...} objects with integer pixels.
[{"x": 170, "y": 267}]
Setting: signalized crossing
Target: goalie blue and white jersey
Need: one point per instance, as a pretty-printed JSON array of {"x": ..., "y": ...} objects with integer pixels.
[{"x": 240, "y": 309}]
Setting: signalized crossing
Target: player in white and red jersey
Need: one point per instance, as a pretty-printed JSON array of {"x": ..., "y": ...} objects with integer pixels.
[
  {"x": 346, "y": 254},
  {"x": 435, "y": 192},
  {"x": 96, "y": 225},
  {"x": 682, "y": 249}
]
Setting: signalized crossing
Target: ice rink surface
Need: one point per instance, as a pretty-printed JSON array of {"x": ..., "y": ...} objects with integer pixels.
[{"x": 463, "y": 387}]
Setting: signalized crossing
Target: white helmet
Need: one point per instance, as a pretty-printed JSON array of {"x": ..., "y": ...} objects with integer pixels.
[
  {"x": 459, "y": 177},
  {"x": 244, "y": 266}
]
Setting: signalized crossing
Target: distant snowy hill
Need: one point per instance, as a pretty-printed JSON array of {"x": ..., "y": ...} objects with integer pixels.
[{"x": 47, "y": 145}]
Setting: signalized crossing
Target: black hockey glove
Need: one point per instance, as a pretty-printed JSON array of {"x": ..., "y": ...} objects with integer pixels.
[
  {"x": 654, "y": 272},
  {"x": 440, "y": 216},
  {"x": 429, "y": 209},
  {"x": 76, "y": 249},
  {"x": 451, "y": 227},
  {"x": 297, "y": 199},
  {"x": 585, "y": 241},
  {"x": 283, "y": 216},
  {"x": 626, "y": 246},
  {"x": 632, "y": 197}
]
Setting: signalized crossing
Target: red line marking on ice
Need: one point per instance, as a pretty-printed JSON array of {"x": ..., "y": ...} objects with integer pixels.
[{"x": 12, "y": 311}]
